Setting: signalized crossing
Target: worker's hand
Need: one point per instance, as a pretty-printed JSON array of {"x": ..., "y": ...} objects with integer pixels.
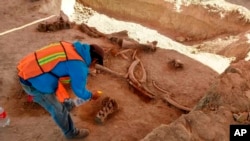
[{"x": 96, "y": 95}]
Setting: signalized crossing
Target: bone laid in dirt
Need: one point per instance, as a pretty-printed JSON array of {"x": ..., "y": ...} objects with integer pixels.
[
  {"x": 128, "y": 43},
  {"x": 54, "y": 26},
  {"x": 123, "y": 51},
  {"x": 148, "y": 47},
  {"x": 134, "y": 54},
  {"x": 167, "y": 98},
  {"x": 102, "y": 68},
  {"x": 91, "y": 31},
  {"x": 143, "y": 90},
  {"x": 131, "y": 72},
  {"x": 135, "y": 83},
  {"x": 131, "y": 78},
  {"x": 109, "y": 106},
  {"x": 144, "y": 74}
]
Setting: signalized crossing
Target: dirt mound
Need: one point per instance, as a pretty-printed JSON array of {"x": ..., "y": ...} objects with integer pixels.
[{"x": 211, "y": 117}]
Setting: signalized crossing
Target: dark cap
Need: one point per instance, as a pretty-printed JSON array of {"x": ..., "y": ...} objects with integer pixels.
[{"x": 96, "y": 52}]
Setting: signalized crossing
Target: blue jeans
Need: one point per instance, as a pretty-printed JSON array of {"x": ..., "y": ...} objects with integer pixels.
[{"x": 57, "y": 110}]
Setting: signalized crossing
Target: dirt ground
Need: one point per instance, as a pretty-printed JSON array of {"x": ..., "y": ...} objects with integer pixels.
[{"x": 137, "y": 115}]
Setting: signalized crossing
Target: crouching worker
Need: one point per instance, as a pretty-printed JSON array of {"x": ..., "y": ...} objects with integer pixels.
[{"x": 39, "y": 74}]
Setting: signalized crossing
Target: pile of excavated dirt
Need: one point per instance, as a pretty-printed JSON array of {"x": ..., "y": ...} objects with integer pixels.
[
  {"x": 196, "y": 96},
  {"x": 225, "y": 103}
]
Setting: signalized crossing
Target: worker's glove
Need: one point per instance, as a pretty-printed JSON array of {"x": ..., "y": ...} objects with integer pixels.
[{"x": 96, "y": 95}]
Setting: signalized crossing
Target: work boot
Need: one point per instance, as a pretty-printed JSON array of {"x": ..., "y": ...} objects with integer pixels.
[{"x": 79, "y": 133}]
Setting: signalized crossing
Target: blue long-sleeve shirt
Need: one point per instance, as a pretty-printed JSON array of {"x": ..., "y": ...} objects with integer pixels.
[{"x": 77, "y": 71}]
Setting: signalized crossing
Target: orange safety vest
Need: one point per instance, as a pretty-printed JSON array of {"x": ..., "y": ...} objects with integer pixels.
[{"x": 46, "y": 58}]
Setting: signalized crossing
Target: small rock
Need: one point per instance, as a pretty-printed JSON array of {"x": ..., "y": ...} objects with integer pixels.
[
  {"x": 176, "y": 64},
  {"x": 180, "y": 39},
  {"x": 241, "y": 117}
]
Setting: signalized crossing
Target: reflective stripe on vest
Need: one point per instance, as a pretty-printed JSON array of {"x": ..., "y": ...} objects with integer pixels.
[
  {"x": 46, "y": 58},
  {"x": 64, "y": 80}
]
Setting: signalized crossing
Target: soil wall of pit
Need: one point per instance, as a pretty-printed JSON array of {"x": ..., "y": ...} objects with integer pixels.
[{"x": 190, "y": 21}]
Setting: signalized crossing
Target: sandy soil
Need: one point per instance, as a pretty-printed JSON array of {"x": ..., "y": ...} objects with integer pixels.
[{"x": 137, "y": 115}]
